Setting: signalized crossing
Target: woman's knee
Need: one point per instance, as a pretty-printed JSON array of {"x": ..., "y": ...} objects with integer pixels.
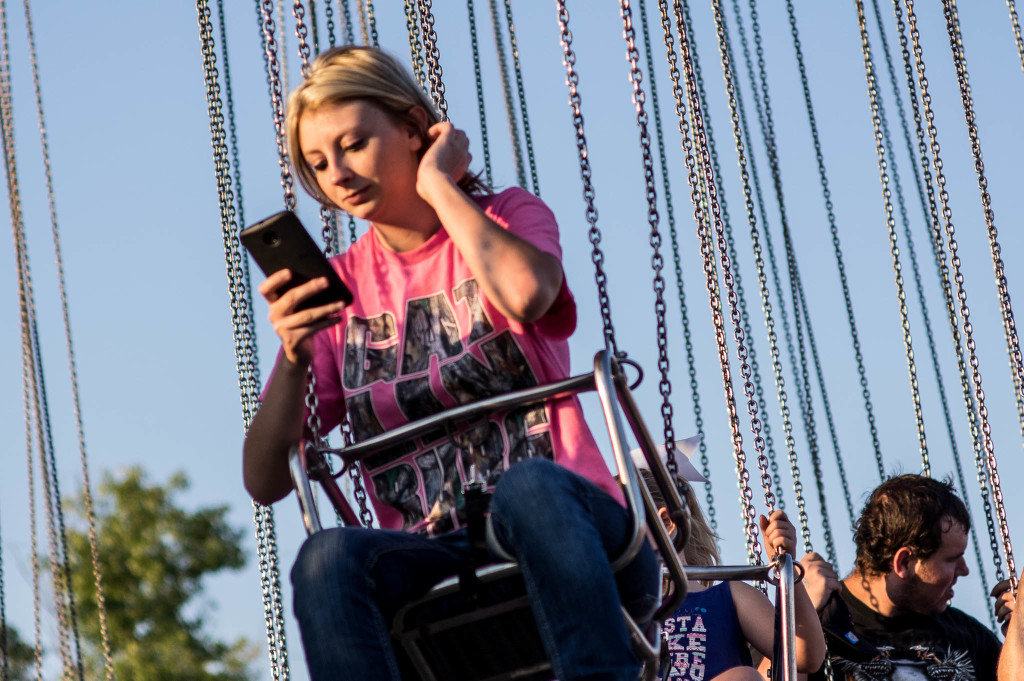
[{"x": 329, "y": 554}]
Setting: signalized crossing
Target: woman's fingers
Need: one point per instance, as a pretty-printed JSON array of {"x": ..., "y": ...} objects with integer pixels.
[{"x": 779, "y": 533}]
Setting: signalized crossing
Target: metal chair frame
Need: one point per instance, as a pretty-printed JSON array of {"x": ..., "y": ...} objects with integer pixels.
[{"x": 307, "y": 462}]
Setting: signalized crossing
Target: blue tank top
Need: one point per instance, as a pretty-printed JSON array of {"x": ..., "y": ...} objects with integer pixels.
[{"x": 704, "y": 637}]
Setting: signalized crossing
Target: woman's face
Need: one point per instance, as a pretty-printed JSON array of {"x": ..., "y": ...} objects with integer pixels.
[{"x": 364, "y": 160}]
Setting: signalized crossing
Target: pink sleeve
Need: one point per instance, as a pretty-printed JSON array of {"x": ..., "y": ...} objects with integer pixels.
[{"x": 529, "y": 218}]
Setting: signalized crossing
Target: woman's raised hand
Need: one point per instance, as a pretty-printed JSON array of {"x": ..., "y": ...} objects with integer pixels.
[
  {"x": 779, "y": 533},
  {"x": 447, "y": 157},
  {"x": 297, "y": 327}
]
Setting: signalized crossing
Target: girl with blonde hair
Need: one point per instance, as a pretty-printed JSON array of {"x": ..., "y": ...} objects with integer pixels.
[{"x": 459, "y": 295}]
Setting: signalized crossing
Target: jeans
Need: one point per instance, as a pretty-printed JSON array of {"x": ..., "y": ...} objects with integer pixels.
[{"x": 563, "y": 529}]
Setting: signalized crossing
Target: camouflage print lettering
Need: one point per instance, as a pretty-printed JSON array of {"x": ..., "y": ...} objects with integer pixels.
[
  {"x": 430, "y": 330},
  {"x": 480, "y": 325},
  {"x": 371, "y": 351}
]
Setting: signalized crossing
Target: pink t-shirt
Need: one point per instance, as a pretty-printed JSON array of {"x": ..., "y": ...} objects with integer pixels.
[{"x": 420, "y": 337}]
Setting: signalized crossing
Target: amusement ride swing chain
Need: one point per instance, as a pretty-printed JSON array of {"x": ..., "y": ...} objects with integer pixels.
[
  {"x": 672, "y": 463},
  {"x": 479, "y": 91},
  {"x": 1012, "y": 6},
  {"x": 433, "y": 58},
  {"x": 1009, "y": 327},
  {"x": 657, "y": 261},
  {"x": 801, "y": 318},
  {"x": 707, "y": 251},
  {"x": 517, "y": 69},
  {"x": 348, "y": 32},
  {"x": 36, "y": 403},
  {"x": 923, "y": 176},
  {"x": 958, "y": 278},
  {"x": 506, "y": 89},
  {"x": 840, "y": 266},
  {"x": 733, "y": 256},
  {"x": 244, "y": 329},
  {"x": 412, "y": 23},
  {"x": 738, "y": 125},
  {"x": 594, "y": 233},
  {"x": 890, "y": 221},
  {"x": 72, "y": 366},
  {"x": 670, "y": 54}
]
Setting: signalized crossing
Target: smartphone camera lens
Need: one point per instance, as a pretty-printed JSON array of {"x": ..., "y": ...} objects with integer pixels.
[{"x": 271, "y": 238}]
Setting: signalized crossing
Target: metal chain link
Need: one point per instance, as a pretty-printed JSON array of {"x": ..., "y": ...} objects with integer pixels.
[
  {"x": 762, "y": 103},
  {"x": 479, "y": 92},
  {"x": 5, "y": 671},
  {"x": 64, "y": 599},
  {"x": 412, "y": 23},
  {"x": 978, "y": 396},
  {"x": 371, "y": 21},
  {"x": 284, "y": 45},
  {"x": 72, "y": 365},
  {"x": 363, "y": 28},
  {"x": 776, "y": 282},
  {"x": 738, "y": 119},
  {"x": 769, "y": 444},
  {"x": 930, "y": 215},
  {"x": 268, "y": 29},
  {"x": 877, "y": 113},
  {"x": 517, "y": 69},
  {"x": 691, "y": 363},
  {"x": 346, "y": 22},
  {"x": 506, "y": 89},
  {"x": 329, "y": 20},
  {"x": 433, "y": 58},
  {"x": 1005, "y": 307},
  {"x": 243, "y": 326},
  {"x": 753, "y": 542},
  {"x": 594, "y": 233},
  {"x": 655, "y": 240},
  {"x": 1012, "y": 6}
]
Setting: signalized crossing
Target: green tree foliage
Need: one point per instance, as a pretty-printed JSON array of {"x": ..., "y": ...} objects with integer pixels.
[
  {"x": 16, "y": 656},
  {"x": 154, "y": 556}
]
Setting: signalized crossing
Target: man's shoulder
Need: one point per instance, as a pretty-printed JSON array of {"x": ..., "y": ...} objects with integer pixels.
[{"x": 956, "y": 619}]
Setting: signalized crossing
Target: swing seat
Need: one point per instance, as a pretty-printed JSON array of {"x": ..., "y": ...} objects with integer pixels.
[{"x": 485, "y": 630}]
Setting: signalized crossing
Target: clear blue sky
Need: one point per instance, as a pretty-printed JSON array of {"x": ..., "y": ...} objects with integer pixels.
[{"x": 136, "y": 199}]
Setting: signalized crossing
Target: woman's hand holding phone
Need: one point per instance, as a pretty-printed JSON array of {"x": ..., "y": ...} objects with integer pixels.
[{"x": 296, "y": 327}]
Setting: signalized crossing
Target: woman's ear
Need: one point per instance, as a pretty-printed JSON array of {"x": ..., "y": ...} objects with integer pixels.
[
  {"x": 416, "y": 119},
  {"x": 666, "y": 520}
]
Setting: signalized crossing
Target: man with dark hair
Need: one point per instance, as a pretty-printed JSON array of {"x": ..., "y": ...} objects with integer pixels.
[{"x": 890, "y": 618}]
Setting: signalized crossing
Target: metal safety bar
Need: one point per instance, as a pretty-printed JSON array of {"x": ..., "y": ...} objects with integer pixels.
[
  {"x": 614, "y": 394},
  {"x": 782, "y": 574}
]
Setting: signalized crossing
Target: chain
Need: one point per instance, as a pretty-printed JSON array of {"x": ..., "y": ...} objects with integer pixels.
[
  {"x": 594, "y": 233},
  {"x": 64, "y": 599},
  {"x": 479, "y": 92},
  {"x": 284, "y": 45},
  {"x": 329, "y": 19},
  {"x": 415, "y": 44},
  {"x": 1009, "y": 327},
  {"x": 433, "y": 57},
  {"x": 302, "y": 33},
  {"x": 1012, "y": 6},
  {"x": 769, "y": 444},
  {"x": 657, "y": 261},
  {"x": 346, "y": 22},
  {"x": 313, "y": 26},
  {"x": 707, "y": 251},
  {"x": 371, "y": 21},
  {"x": 877, "y": 114},
  {"x": 363, "y": 28},
  {"x": 800, "y": 316},
  {"x": 506, "y": 89},
  {"x": 241, "y": 306},
  {"x": 276, "y": 98},
  {"x": 737, "y": 116},
  {"x": 691, "y": 363},
  {"x": 930, "y": 215},
  {"x": 961, "y": 293},
  {"x": 72, "y": 366},
  {"x": 527, "y": 135}
]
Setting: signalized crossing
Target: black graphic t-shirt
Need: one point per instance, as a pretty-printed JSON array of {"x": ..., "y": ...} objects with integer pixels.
[{"x": 950, "y": 646}]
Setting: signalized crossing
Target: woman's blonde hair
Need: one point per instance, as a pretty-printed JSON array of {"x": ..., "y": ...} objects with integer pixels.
[
  {"x": 702, "y": 547},
  {"x": 351, "y": 72}
]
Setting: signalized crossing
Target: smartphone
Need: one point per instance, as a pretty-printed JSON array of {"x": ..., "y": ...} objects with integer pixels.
[{"x": 281, "y": 242}]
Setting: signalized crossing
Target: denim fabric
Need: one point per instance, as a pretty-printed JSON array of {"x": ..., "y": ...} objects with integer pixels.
[{"x": 350, "y": 582}]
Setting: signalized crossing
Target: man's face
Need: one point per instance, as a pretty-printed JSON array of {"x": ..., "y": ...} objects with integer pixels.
[{"x": 930, "y": 587}]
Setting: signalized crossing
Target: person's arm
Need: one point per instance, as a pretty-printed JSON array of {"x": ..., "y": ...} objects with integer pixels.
[
  {"x": 278, "y": 423},
  {"x": 757, "y": 614},
  {"x": 1011, "y": 659},
  {"x": 518, "y": 278},
  {"x": 820, "y": 579}
]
